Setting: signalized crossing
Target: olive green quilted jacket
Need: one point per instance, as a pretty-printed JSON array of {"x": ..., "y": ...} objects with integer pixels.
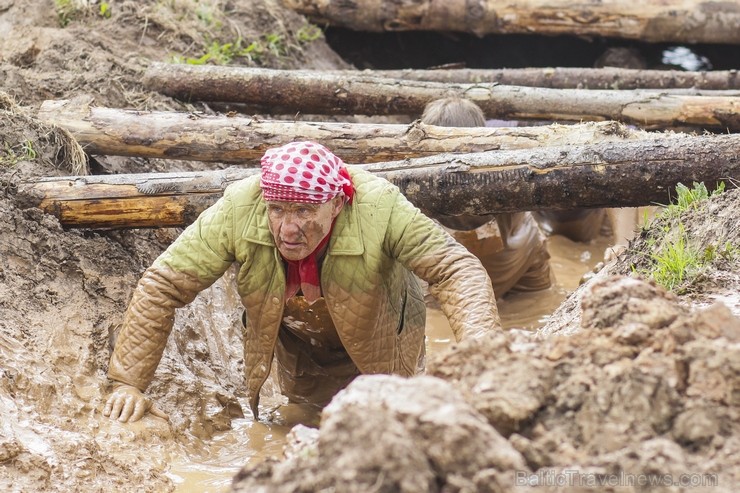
[{"x": 366, "y": 277}]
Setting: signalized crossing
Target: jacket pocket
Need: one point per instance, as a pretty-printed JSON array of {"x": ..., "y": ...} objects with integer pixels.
[
  {"x": 402, "y": 312},
  {"x": 410, "y": 331}
]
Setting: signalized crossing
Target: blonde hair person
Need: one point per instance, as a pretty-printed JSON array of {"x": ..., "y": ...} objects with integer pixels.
[{"x": 453, "y": 112}]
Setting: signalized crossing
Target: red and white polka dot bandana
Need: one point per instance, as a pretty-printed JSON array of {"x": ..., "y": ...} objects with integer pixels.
[{"x": 304, "y": 172}]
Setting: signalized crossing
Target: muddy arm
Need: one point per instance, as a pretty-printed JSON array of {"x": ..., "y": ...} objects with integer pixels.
[
  {"x": 202, "y": 253},
  {"x": 147, "y": 324},
  {"x": 456, "y": 277}
]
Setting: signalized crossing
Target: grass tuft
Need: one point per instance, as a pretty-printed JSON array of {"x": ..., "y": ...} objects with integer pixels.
[{"x": 675, "y": 261}]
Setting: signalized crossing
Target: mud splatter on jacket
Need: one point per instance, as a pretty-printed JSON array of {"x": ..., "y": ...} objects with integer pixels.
[{"x": 375, "y": 301}]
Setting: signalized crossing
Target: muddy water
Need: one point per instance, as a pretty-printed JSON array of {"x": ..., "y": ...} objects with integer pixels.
[{"x": 208, "y": 468}]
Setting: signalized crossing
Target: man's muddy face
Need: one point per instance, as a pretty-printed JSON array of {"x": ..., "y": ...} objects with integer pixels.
[{"x": 299, "y": 228}]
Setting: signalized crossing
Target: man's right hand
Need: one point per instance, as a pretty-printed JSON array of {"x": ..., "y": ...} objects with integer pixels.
[{"x": 128, "y": 404}]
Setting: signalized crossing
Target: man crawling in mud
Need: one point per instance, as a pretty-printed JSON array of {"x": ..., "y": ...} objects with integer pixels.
[{"x": 328, "y": 257}]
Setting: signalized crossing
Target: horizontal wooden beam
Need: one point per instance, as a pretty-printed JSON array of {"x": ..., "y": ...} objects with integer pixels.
[
  {"x": 313, "y": 92},
  {"x": 607, "y": 174},
  {"x": 684, "y": 21},
  {"x": 242, "y": 140},
  {"x": 570, "y": 77}
]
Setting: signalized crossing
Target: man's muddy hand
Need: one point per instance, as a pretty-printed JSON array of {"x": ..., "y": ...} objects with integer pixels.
[{"x": 128, "y": 404}]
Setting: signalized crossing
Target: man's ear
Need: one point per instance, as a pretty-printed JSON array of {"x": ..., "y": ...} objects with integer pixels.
[{"x": 337, "y": 203}]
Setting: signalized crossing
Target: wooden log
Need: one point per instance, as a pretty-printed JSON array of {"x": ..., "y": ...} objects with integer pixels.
[
  {"x": 608, "y": 174},
  {"x": 570, "y": 77},
  {"x": 240, "y": 140},
  {"x": 680, "y": 21},
  {"x": 292, "y": 91}
]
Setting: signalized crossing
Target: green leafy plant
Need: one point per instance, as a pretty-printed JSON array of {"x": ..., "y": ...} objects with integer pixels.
[
  {"x": 66, "y": 11},
  {"x": 104, "y": 10},
  {"x": 687, "y": 198},
  {"x": 271, "y": 44},
  {"x": 217, "y": 53},
  {"x": 27, "y": 150},
  {"x": 12, "y": 155},
  {"x": 224, "y": 53},
  {"x": 71, "y": 10},
  {"x": 308, "y": 33}
]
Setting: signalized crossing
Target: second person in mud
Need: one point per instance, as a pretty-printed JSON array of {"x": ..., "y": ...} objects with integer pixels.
[{"x": 511, "y": 246}]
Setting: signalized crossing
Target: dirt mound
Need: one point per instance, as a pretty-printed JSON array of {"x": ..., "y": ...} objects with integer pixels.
[
  {"x": 709, "y": 227},
  {"x": 75, "y": 47},
  {"x": 646, "y": 390}
]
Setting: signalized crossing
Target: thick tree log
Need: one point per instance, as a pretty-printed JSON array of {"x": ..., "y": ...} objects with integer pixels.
[
  {"x": 570, "y": 77},
  {"x": 610, "y": 174},
  {"x": 682, "y": 21},
  {"x": 283, "y": 91},
  {"x": 239, "y": 140}
]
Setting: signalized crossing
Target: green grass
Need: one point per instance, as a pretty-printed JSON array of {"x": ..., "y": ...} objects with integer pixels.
[
  {"x": 104, "y": 10},
  {"x": 216, "y": 53},
  {"x": 224, "y": 53},
  {"x": 66, "y": 10},
  {"x": 72, "y": 10},
  {"x": 258, "y": 51},
  {"x": 674, "y": 261},
  {"x": 12, "y": 155},
  {"x": 687, "y": 198}
]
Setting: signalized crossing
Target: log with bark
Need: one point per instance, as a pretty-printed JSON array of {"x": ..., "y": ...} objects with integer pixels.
[
  {"x": 685, "y": 21},
  {"x": 240, "y": 140},
  {"x": 608, "y": 174},
  {"x": 295, "y": 91},
  {"x": 570, "y": 77}
]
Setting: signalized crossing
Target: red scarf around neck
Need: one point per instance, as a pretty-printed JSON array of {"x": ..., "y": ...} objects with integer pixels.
[{"x": 304, "y": 274}]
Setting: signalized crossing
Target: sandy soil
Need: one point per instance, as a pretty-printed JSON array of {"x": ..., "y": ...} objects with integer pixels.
[{"x": 647, "y": 386}]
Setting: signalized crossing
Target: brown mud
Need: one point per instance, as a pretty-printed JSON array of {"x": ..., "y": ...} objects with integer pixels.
[{"x": 646, "y": 384}]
